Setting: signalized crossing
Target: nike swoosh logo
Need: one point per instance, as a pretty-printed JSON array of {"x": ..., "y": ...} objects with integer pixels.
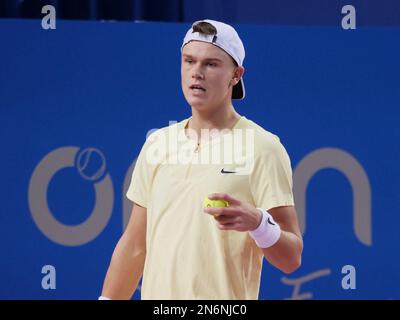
[
  {"x": 270, "y": 222},
  {"x": 224, "y": 171}
]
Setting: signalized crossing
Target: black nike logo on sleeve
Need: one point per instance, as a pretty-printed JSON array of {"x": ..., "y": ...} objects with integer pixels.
[
  {"x": 269, "y": 221},
  {"x": 225, "y": 171}
]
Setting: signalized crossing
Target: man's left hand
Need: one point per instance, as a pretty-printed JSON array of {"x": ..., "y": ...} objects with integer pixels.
[{"x": 239, "y": 216}]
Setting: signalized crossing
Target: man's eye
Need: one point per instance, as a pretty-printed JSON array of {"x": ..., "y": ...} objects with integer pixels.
[
  {"x": 212, "y": 64},
  {"x": 188, "y": 61}
]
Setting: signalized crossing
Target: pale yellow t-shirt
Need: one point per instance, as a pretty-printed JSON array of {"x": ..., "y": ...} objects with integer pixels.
[{"x": 187, "y": 256}]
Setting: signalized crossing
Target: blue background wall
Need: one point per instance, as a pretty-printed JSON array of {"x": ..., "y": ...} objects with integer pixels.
[
  {"x": 292, "y": 12},
  {"x": 105, "y": 85}
]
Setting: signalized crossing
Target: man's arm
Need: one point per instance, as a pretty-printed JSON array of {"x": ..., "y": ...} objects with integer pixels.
[
  {"x": 127, "y": 263},
  {"x": 285, "y": 254}
]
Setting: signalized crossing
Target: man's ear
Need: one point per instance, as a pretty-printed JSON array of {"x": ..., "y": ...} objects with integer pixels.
[{"x": 238, "y": 73}]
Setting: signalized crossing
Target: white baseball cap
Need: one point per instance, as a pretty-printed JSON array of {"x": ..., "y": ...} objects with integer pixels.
[{"x": 228, "y": 40}]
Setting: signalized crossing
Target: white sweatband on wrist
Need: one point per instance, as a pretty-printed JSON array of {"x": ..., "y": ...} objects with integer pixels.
[
  {"x": 268, "y": 232},
  {"x": 103, "y": 298}
]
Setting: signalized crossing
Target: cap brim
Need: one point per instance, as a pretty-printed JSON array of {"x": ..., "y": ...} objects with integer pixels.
[{"x": 238, "y": 90}]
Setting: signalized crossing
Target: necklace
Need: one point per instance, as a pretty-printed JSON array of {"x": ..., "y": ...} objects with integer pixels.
[{"x": 198, "y": 147}]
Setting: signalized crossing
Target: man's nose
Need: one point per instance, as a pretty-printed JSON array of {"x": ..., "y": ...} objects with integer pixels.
[{"x": 197, "y": 73}]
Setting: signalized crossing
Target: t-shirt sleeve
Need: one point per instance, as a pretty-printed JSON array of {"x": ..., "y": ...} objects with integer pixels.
[
  {"x": 271, "y": 178},
  {"x": 142, "y": 178}
]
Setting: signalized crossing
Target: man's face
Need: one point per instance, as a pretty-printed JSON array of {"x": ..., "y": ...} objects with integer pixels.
[{"x": 206, "y": 75}]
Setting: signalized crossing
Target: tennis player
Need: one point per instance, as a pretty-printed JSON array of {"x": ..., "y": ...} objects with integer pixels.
[{"x": 181, "y": 247}]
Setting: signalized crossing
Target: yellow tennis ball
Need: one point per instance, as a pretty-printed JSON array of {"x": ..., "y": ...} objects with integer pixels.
[{"x": 214, "y": 203}]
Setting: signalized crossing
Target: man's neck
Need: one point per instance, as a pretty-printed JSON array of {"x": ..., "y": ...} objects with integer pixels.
[{"x": 224, "y": 118}]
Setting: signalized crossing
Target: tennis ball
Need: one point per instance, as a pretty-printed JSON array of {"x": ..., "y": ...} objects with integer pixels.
[{"x": 214, "y": 203}]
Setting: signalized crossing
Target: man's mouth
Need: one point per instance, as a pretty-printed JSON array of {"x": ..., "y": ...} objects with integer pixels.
[{"x": 197, "y": 88}]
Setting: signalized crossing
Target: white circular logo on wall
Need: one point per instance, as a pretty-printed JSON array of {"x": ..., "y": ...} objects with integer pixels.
[{"x": 37, "y": 195}]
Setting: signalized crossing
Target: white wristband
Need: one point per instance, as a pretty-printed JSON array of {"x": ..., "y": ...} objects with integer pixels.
[
  {"x": 268, "y": 232},
  {"x": 103, "y": 298}
]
